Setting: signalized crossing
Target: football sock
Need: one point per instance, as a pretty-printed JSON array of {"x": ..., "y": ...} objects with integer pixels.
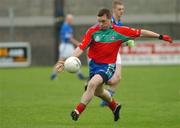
[
  {"x": 112, "y": 105},
  {"x": 80, "y": 107},
  {"x": 105, "y": 103}
]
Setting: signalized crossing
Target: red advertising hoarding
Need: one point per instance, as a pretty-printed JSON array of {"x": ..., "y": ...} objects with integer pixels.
[{"x": 151, "y": 53}]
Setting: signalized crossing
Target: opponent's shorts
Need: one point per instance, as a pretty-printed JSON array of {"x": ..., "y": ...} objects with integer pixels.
[
  {"x": 106, "y": 71},
  {"x": 66, "y": 50},
  {"x": 118, "y": 59}
]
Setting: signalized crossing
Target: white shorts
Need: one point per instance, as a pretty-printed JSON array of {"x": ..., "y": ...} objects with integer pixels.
[
  {"x": 118, "y": 59},
  {"x": 66, "y": 50}
]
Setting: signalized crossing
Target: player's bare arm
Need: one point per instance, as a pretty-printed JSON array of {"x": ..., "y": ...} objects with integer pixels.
[
  {"x": 150, "y": 34},
  {"x": 74, "y": 41},
  {"x": 77, "y": 52}
]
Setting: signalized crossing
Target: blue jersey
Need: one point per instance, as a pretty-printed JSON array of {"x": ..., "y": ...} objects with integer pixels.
[
  {"x": 66, "y": 32},
  {"x": 119, "y": 23}
]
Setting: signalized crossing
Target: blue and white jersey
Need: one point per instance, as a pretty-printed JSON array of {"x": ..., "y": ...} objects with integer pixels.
[
  {"x": 66, "y": 33},
  {"x": 119, "y": 23}
]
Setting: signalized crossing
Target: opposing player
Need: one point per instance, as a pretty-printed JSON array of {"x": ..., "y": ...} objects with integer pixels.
[
  {"x": 67, "y": 43},
  {"x": 104, "y": 40}
]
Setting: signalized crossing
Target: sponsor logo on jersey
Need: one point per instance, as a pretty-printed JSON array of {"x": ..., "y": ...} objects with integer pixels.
[{"x": 97, "y": 38}]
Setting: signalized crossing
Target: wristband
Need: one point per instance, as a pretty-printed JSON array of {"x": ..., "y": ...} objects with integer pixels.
[{"x": 160, "y": 37}]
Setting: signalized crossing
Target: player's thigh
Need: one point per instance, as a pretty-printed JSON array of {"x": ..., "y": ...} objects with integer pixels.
[
  {"x": 118, "y": 70},
  {"x": 94, "y": 82}
]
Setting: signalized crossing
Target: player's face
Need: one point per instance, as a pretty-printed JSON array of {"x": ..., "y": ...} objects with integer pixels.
[
  {"x": 104, "y": 22},
  {"x": 71, "y": 20},
  {"x": 118, "y": 10}
]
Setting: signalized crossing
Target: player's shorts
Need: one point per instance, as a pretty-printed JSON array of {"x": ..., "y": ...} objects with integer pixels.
[
  {"x": 66, "y": 50},
  {"x": 106, "y": 71},
  {"x": 118, "y": 60}
]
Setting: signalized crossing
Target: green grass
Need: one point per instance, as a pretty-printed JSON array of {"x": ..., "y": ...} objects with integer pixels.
[{"x": 28, "y": 99}]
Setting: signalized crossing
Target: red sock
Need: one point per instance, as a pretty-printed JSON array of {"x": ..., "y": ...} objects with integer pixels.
[
  {"x": 112, "y": 105},
  {"x": 80, "y": 107}
]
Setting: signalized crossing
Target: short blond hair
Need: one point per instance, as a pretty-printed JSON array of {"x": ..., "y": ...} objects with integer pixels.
[{"x": 116, "y": 2}]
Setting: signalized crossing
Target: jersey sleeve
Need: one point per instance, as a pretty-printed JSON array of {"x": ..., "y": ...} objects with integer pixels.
[
  {"x": 127, "y": 31},
  {"x": 86, "y": 39}
]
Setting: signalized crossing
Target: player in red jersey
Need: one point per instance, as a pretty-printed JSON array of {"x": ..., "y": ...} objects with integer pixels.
[{"x": 104, "y": 40}]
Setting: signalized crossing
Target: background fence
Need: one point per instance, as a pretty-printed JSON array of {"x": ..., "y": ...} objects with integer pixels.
[{"x": 33, "y": 21}]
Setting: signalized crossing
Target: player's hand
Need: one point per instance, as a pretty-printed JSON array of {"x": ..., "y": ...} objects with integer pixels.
[
  {"x": 59, "y": 67},
  {"x": 129, "y": 43},
  {"x": 166, "y": 38}
]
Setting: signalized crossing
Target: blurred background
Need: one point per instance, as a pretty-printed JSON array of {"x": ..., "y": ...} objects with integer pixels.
[{"x": 37, "y": 21}]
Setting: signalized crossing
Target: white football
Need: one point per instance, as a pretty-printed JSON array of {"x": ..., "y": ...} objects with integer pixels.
[{"x": 72, "y": 64}]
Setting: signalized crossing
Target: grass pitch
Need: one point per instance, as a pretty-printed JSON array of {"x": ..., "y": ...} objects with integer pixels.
[{"x": 150, "y": 98}]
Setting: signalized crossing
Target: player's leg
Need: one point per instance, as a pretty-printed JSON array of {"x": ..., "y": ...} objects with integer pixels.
[
  {"x": 112, "y": 104},
  {"x": 102, "y": 93},
  {"x": 95, "y": 81},
  {"x": 113, "y": 82},
  {"x": 117, "y": 75}
]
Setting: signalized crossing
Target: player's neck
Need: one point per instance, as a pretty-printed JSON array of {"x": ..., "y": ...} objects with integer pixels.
[{"x": 116, "y": 18}]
